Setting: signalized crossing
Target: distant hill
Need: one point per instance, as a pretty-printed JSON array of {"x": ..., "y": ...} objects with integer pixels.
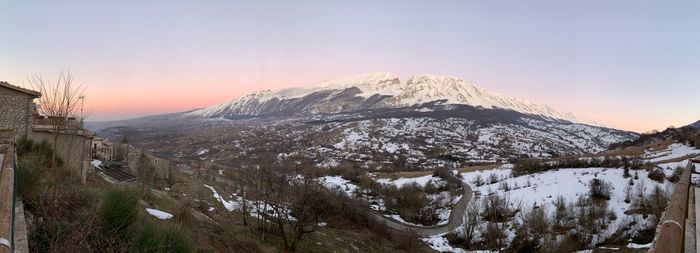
[
  {"x": 99, "y": 125},
  {"x": 695, "y": 125}
]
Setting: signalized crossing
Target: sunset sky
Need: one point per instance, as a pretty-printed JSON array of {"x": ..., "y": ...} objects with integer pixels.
[{"x": 632, "y": 64}]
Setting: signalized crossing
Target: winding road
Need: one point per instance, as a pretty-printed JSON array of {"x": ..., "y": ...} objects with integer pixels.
[{"x": 454, "y": 221}]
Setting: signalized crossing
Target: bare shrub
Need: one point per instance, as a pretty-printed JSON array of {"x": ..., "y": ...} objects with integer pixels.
[
  {"x": 496, "y": 208},
  {"x": 600, "y": 189},
  {"x": 504, "y": 186},
  {"x": 628, "y": 191},
  {"x": 530, "y": 231},
  {"x": 493, "y": 178},
  {"x": 478, "y": 181},
  {"x": 657, "y": 175},
  {"x": 472, "y": 221},
  {"x": 676, "y": 174},
  {"x": 561, "y": 215},
  {"x": 654, "y": 203},
  {"x": 495, "y": 235}
]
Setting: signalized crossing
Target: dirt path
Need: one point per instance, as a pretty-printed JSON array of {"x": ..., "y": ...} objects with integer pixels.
[{"x": 455, "y": 220}]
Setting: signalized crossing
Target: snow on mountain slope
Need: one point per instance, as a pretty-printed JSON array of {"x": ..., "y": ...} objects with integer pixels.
[
  {"x": 384, "y": 90},
  {"x": 695, "y": 125}
]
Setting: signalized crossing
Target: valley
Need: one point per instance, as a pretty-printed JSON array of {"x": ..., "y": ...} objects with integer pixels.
[{"x": 433, "y": 170}]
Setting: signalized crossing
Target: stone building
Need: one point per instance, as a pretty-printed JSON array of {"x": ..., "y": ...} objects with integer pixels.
[
  {"x": 16, "y": 108},
  {"x": 102, "y": 149},
  {"x": 160, "y": 165}
]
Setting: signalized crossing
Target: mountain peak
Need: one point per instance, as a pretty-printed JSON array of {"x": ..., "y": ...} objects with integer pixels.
[
  {"x": 416, "y": 90},
  {"x": 695, "y": 125}
]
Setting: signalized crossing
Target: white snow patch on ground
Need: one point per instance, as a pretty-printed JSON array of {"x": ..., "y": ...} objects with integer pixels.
[
  {"x": 228, "y": 204},
  {"x": 252, "y": 206},
  {"x": 159, "y": 214},
  {"x": 673, "y": 151},
  {"x": 337, "y": 182},
  {"x": 96, "y": 163},
  {"x": 440, "y": 243},
  {"x": 639, "y": 246},
  {"x": 422, "y": 181},
  {"x": 202, "y": 151}
]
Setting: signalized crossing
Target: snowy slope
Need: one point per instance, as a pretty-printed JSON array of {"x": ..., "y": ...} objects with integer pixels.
[
  {"x": 695, "y": 125},
  {"x": 377, "y": 90}
]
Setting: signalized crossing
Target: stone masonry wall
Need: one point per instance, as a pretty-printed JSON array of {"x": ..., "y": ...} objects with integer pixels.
[{"x": 16, "y": 111}]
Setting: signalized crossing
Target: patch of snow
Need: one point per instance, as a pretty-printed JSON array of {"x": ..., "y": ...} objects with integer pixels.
[
  {"x": 96, "y": 163},
  {"x": 228, "y": 204},
  {"x": 337, "y": 182},
  {"x": 639, "y": 246},
  {"x": 159, "y": 214},
  {"x": 202, "y": 151},
  {"x": 673, "y": 151},
  {"x": 422, "y": 181}
]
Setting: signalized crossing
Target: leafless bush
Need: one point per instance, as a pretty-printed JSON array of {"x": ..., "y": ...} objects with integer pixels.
[
  {"x": 600, "y": 189},
  {"x": 654, "y": 203},
  {"x": 472, "y": 220},
  {"x": 530, "y": 231},
  {"x": 497, "y": 208},
  {"x": 504, "y": 186},
  {"x": 478, "y": 181},
  {"x": 561, "y": 215},
  {"x": 657, "y": 175},
  {"x": 493, "y": 178},
  {"x": 676, "y": 174},
  {"x": 495, "y": 235}
]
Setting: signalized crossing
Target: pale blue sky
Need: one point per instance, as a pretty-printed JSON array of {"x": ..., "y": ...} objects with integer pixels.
[{"x": 632, "y": 64}]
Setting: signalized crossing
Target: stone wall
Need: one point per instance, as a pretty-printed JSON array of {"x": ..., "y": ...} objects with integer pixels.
[
  {"x": 73, "y": 148},
  {"x": 16, "y": 111}
]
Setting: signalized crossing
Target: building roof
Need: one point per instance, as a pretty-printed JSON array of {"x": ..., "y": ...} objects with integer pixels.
[{"x": 35, "y": 94}]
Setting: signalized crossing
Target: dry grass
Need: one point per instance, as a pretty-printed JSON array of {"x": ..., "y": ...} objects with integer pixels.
[
  {"x": 403, "y": 174},
  {"x": 675, "y": 159},
  {"x": 637, "y": 150},
  {"x": 479, "y": 167},
  {"x": 414, "y": 174}
]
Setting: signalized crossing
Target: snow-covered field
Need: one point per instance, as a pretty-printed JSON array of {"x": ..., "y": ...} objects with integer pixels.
[
  {"x": 673, "y": 151},
  {"x": 541, "y": 190}
]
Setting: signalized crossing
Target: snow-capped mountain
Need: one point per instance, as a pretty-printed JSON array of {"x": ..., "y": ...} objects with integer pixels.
[
  {"x": 695, "y": 125},
  {"x": 375, "y": 120},
  {"x": 376, "y": 90}
]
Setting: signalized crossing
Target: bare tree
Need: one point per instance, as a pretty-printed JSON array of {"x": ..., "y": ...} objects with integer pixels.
[
  {"x": 60, "y": 100},
  {"x": 472, "y": 219},
  {"x": 145, "y": 171}
]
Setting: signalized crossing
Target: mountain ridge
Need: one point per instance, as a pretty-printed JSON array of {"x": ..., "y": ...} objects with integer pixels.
[
  {"x": 696, "y": 124},
  {"x": 378, "y": 90}
]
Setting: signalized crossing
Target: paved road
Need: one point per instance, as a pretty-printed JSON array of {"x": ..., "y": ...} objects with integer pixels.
[{"x": 455, "y": 220}]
